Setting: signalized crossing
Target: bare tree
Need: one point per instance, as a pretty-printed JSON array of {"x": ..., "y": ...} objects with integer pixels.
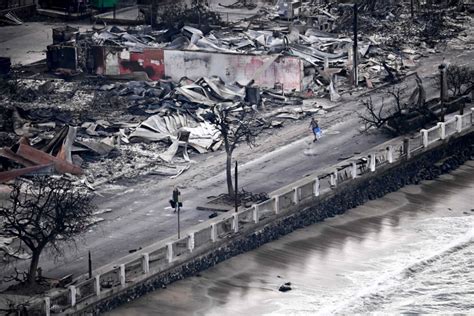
[
  {"x": 460, "y": 79},
  {"x": 380, "y": 116},
  {"x": 236, "y": 125},
  {"x": 47, "y": 212},
  {"x": 397, "y": 116},
  {"x": 178, "y": 14}
]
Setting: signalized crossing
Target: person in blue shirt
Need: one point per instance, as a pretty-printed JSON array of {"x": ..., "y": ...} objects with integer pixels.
[{"x": 316, "y": 129}]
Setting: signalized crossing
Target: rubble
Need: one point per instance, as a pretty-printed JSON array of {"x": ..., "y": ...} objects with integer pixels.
[
  {"x": 270, "y": 61},
  {"x": 320, "y": 36},
  {"x": 10, "y": 18}
]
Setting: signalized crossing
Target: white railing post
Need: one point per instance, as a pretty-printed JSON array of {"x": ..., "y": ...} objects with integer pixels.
[
  {"x": 146, "y": 263},
  {"x": 122, "y": 275},
  {"x": 407, "y": 147},
  {"x": 213, "y": 232},
  {"x": 333, "y": 179},
  {"x": 255, "y": 214},
  {"x": 276, "y": 201},
  {"x": 472, "y": 109},
  {"x": 390, "y": 154},
  {"x": 372, "y": 162},
  {"x": 73, "y": 292},
  {"x": 47, "y": 306},
  {"x": 97, "y": 285},
  {"x": 354, "y": 170},
  {"x": 235, "y": 222},
  {"x": 296, "y": 198},
  {"x": 424, "y": 135},
  {"x": 169, "y": 247},
  {"x": 458, "y": 123},
  {"x": 316, "y": 187},
  {"x": 191, "y": 241},
  {"x": 442, "y": 130}
]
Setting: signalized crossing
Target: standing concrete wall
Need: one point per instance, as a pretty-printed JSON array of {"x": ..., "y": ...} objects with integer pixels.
[
  {"x": 266, "y": 70},
  {"x": 241, "y": 68}
]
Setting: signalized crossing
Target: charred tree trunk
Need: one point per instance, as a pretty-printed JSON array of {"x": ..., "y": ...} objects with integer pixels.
[
  {"x": 33, "y": 267},
  {"x": 228, "y": 170}
]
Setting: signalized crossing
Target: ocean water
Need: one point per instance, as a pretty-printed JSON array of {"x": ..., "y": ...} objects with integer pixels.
[{"x": 409, "y": 252}]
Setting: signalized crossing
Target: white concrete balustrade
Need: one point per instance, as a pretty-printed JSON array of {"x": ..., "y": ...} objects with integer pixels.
[{"x": 165, "y": 253}]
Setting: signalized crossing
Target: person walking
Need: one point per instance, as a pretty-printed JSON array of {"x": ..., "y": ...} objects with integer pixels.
[{"x": 316, "y": 129}]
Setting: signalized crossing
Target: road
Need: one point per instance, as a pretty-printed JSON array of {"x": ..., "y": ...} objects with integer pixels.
[{"x": 139, "y": 210}]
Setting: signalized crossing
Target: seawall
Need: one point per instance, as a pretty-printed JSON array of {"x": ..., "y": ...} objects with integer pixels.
[
  {"x": 426, "y": 167},
  {"x": 326, "y": 193}
]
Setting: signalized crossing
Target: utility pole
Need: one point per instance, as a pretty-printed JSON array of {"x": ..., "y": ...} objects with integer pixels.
[
  {"x": 175, "y": 203},
  {"x": 90, "y": 265},
  {"x": 179, "y": 226},
  {"x": 444, "y": 88},
  {"x": 153, "y": 13},
  {"x": 236, "y": 190},
  {"x": 355, "y": 53}
]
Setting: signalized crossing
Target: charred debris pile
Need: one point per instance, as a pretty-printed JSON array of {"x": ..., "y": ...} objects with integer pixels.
[
  {"x": 95, "y": 131},
  {"x": 390, "y": 41},
  {"x": 95, "y": 121}
]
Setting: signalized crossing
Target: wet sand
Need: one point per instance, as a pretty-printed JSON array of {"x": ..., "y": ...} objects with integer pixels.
[{"x": 358, "y": 262}]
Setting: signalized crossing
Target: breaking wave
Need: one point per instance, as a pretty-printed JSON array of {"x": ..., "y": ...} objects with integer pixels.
[{"x": 384, "y": 289}]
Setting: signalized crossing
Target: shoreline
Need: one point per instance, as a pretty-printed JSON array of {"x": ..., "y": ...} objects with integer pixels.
[
  {"x": 426, "y": 166},
  {"x": 318, "y": 254}
]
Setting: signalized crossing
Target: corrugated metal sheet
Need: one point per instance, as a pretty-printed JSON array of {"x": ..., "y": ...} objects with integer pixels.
[
  {"x": 41, "y": 158},
  {"x": 6, "y": 176}
]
